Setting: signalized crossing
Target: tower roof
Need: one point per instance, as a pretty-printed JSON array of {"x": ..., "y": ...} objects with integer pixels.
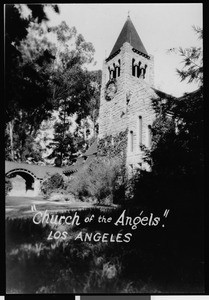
[{"x": 130, "y": 35}]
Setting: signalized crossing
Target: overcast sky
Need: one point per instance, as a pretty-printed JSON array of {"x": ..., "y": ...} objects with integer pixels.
[{"x": 160, "y": 27}]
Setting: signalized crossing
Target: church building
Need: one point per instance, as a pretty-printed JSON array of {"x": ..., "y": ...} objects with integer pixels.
[{"x": 126, "y": 113}]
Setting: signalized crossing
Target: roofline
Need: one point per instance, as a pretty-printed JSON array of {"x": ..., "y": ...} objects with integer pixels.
[
  {"x": 133, "y": 49},
  {"x": 165, "y": 94}
]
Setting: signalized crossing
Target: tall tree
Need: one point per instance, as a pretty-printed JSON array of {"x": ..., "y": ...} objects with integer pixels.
[
  {"x": 46, "y": 76},
  {"x": 22, "y": 73},
  {"x": 26, "y": 87},
  {"x": 74, "y": 88},
  {"x": 177, "y": 154},
  {"x": 179, "y": 123}
]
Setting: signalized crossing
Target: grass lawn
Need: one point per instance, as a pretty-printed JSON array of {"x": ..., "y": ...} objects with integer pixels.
[
  {"x": 20, "y": 207},
  {"x": 157, "y": 260}
]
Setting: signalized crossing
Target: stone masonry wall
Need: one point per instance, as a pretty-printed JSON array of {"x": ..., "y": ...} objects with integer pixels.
[
  {"x": 120, "y": 115},
  {"x": 140, "y": 104}
]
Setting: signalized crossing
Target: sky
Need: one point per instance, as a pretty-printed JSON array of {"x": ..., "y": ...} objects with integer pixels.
[{"x": 160, "y": 27}]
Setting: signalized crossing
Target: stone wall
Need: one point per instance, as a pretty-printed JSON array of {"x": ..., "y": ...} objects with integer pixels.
[{"x": 120, "y": 116}]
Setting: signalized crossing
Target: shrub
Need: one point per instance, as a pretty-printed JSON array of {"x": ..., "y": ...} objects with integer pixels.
[
  {"x": 52, "y": 183},
  {"x": 8, "y": 185},
  {"x": 101, "y": 180}
]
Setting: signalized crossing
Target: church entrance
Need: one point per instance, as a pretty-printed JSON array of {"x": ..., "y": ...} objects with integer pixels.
[{"x": 23, "y": 184}]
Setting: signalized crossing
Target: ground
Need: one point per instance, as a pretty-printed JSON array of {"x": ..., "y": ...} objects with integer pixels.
[
  {"x": 21, "y": 206},
  {"x": 166, "y": 259}
]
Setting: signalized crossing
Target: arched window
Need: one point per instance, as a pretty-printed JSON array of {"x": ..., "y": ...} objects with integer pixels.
[
  {"x": 149, "y": 136},
  {"x": 133, "y": 67},
  {"x": 140, "y": 130},
  {"x": 119, "y": 68},
  {"x": 114, "y": 71},
  {"x": 144, "y": 71},
  {"x": 109, "y": 73},
  {"x": 139, "y": 70},
  {"x": 131, "y": 141}
]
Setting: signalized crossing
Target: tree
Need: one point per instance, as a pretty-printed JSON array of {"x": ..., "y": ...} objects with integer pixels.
[
  {"x": 44, "y": 77},
  {"x": 26, "y": 77},
  {"x": 95, "y": 100},
  {"x": 193, "y": 61},
  {"x": 22, "y": 70},
  {"x": 74, "y": 88},
  {"x": 177, "y": 155},
  {"x": 178, "y": 129}
]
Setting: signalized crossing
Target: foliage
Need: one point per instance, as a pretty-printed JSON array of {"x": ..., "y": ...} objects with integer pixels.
[
  {"x": 62, "y": 145},
  {"x": 8, "y": 185},
  {"x": 26, "y": 75},
  {"x": 179, "y": 146},
  {"x": 101, "y": 179},
  {"x": 52, "y": 183},
  {"x": 42, "y": 76},
  {"x": 70, "y": 82},
  {"x": 37, "y": 265},
  {"x": 96, "y": 78},
  {"x": 74, "y": 89},
  {"x": 193, "y": 61},
  {"x": 177, "y": 153},
  {"x": 24, "y": 144}
]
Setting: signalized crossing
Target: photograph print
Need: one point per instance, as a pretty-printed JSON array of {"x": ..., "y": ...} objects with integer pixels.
[{"x": 104, "y": 149}]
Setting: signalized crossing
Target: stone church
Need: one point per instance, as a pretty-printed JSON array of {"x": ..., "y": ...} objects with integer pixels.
[{"x": 126, "y": 113}]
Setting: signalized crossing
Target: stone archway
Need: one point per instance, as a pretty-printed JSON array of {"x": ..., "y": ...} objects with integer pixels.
[{"x": 24, "y": 183}]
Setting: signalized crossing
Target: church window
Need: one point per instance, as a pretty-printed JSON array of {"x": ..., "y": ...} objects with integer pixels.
[
  {"x": 139, "y": 70},
  {"x": 140, "y": 130},
  {"x": 133, "y": 67},
  {"x": 111, "y": 74},
  {"x": 131, "y": 141},
  {"x": 114, "y": 71},
  {"x": 144, "y": 71},
  {"x": 149, "y": 136},
  {"x": 119, "y": 68}
]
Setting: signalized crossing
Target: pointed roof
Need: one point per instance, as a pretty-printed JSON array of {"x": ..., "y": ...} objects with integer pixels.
[{"x": 130, "y": 35}]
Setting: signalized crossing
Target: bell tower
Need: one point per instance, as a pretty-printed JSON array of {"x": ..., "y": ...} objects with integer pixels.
[{"x": 126, "y": 112}]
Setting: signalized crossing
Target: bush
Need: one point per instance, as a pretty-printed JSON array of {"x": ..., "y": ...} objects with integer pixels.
[
  {"x": 101, "y": 180},
  {"x": 52, "y": 183},
  {"x": 37, "y": 265},
  {"x": 8, "y": 185}
]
